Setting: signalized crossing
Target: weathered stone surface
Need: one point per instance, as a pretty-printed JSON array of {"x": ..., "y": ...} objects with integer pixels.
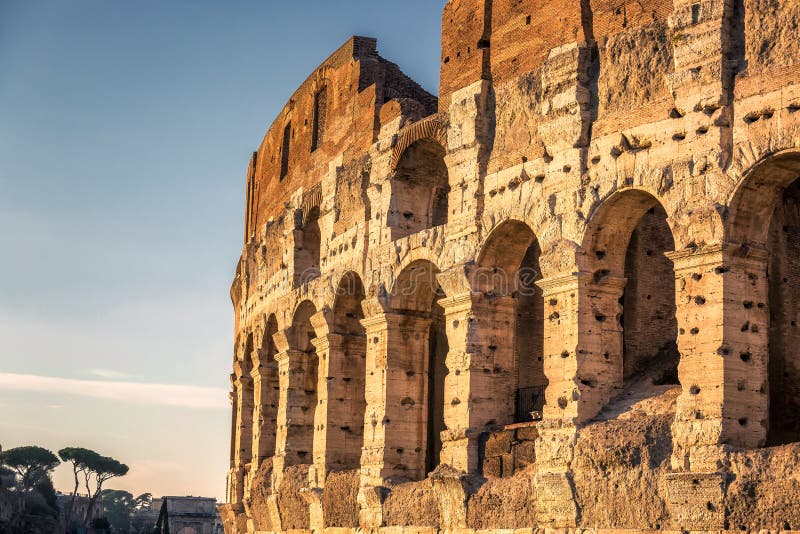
[{"x": 595, "y": 224}]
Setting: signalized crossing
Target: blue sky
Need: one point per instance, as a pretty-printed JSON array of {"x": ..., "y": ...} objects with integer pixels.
[{"x": 125, "y": 132}]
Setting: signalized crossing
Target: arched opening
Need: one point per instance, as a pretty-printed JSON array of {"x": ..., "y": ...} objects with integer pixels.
[
  {"x": 346, "y": 376},
  {"x": 247, "y": 403},
  {"x": 267, "y": 394},
  {"x": 632, "y": 295},
  {"x": 771, "y": 192},
  {"x": 308, "y": 240},
  {"x": 420, "y": 186},
  {"x": 784, "y": 305},
  {"x": 508, "y": 269},
  {"x": 417, "y": 372},
  {"x": 648, "y": 320},
  {"x": 302, "y": 397}
]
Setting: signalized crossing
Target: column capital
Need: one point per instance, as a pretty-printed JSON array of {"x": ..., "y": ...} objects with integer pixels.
[
  {"x": 322, "y": 322},
  {"x": 285, "y": 356},
  {"x": 243, "y": 380},
  {"x": 331, "y": 340},
  {"x": 561, "y": 283},
  {"x": 717, "y": 255}
]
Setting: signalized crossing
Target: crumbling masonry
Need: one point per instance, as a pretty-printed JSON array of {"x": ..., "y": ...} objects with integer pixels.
[{"x": 562, "y": 295}]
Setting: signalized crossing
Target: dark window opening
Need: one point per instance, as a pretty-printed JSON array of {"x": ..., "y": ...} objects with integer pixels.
[
  {"x": 287, "y": 139},
  {"x": 320, "y": 115}
]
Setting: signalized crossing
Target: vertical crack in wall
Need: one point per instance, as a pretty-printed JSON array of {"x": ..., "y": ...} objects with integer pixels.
[
  {"x": 588, "y": 77},
  {"x": 489, "y": 108},
  {"x": 733, "y": 57}
]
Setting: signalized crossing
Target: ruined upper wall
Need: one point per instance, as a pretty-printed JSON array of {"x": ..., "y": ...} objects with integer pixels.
[{"x": 334, "y": 115}]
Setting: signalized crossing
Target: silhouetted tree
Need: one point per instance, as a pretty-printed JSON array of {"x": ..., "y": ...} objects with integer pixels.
[
  {"x": 95, "y": 470},
  {"x": 31, "y": 463}
]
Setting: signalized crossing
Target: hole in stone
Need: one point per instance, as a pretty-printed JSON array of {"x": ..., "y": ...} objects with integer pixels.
[
  {"x": 600, "y": 275},
  {"x": 746, "y": 356},
  {"x": 699, "y": 300},
  {"x": 694, "y": 390},
  {"x": 565, "y": 354}
]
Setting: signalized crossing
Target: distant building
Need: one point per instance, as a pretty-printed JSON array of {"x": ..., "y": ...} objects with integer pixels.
[
  {"x": 186, "y": 515},
  {"x": 79, "y": 507}
]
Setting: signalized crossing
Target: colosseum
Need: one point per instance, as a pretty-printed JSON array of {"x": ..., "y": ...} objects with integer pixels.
[{"x": 562, "y": 294}]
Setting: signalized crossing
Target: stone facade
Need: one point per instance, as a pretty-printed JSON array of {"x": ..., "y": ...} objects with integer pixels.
[{"x": 562, "y": 295}]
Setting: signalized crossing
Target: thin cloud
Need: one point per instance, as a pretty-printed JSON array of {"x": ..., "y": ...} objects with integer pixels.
[
  {"x": 128, "y": 392},
  {"x": 108, "y": 373}
]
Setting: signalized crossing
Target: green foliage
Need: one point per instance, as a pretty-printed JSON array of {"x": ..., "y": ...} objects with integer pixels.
[
  {"x": 94, "y": 468},
  {"x": 119, "y": 505},
  {"x": 31, "y": 463}
]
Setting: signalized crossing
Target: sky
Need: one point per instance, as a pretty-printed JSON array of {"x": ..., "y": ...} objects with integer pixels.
[{"x": 125, "y": 132}]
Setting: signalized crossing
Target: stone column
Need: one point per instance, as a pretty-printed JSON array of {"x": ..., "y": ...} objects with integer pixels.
[
  {"x": 723, "y": 325},
  {"x": 231, "y": 479},
  {"x": 339, "y": 421},
  {"x": 244, "y": 415},
  {"x": 480, "y": 384},
  {"x": 265, "y": 411},
  {"x": 295, "y": 416},
  {"x": 395, "y": 436}
]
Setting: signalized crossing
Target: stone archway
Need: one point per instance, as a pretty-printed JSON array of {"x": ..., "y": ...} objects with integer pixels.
[
  {"x": 512, "y": 308},
  {"x": 420, "y": 186},
  {"x": 298, "y": 370},
  {"x": 266, "y": 387},
  {"x": 764, "y": 231},
  {"x": 416, "y": 372},
  {"x": 629, "y": 296},
  {"x": 342, "y": 347}
]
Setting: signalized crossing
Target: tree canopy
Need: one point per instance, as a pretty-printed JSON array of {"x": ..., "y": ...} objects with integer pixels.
[
  {"x": 94, "y": 468},
  {"x": 31, "y": 463}
]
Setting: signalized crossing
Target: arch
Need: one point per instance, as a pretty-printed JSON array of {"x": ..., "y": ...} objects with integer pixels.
[
  {"x": 266, "y": 387},
  {"x": 764, "y": 224},
  {"x": 432, "y": 128},
  {"x": 416, "y": 396},
  {"x": 415, "y": 288},
  {"x": 308, "y": 242},
  {"x": 301, "y": 330},
  {"x": 610, "y": 226},
  {"x": 420, "y": 186},
  {"x": 754, "y": 199},
  {"x": 508, "y": 267},
  {"x": 302, "y": 386},
  {"x": 632, "y": 290},
  {"x": 346, "y": 376}
]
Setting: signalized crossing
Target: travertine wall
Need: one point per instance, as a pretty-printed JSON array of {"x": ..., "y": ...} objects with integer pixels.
[{"x": 603, "y": 209}]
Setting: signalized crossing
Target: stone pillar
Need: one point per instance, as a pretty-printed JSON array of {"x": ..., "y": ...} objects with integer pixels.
[
  {"x": 230, "y": 494},
  {"x": 265, "y": 399},
  {"x": 723, "y": 325},
  {"x": 244, "y": 436},
  {"x": 395, "y": 436},
  {"x": 296, "y": 407},
  {"x": 480, "y": 384},
  {"x": 562, "y": 411}
]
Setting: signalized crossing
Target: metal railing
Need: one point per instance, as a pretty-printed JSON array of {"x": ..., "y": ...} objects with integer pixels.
[{"x": 527, "y": 400}]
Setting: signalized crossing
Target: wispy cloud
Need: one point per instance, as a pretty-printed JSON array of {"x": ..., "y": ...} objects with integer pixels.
[
  {"x": 128, "y": 392},
  {"x": 108, "y": 373}
]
